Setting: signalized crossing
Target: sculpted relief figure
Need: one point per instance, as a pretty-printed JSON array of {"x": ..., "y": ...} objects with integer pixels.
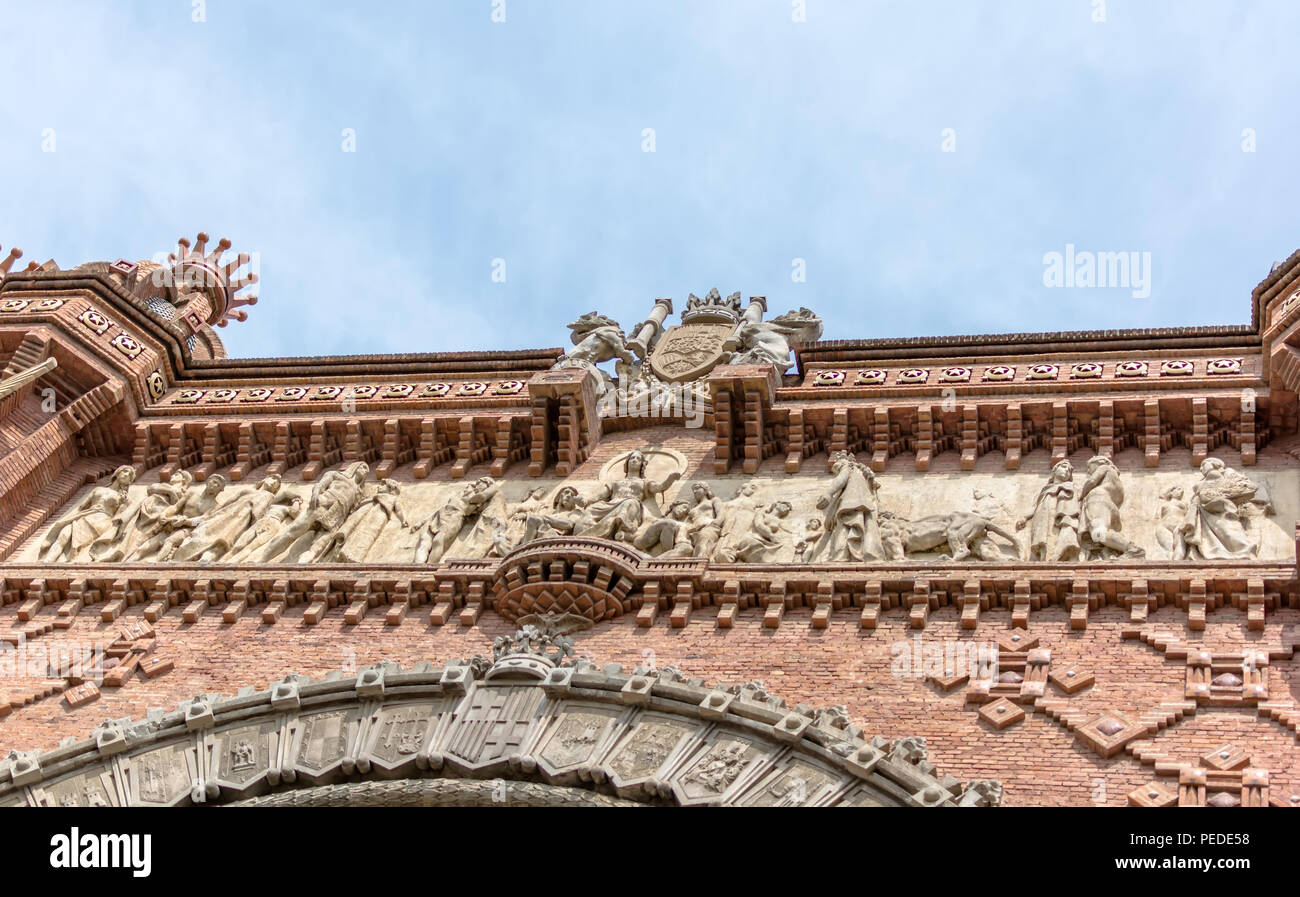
[
  {"x": 705, "y": 518},
  {"x": 1169, "y": 528},
  {"x": 250, "y": 543},
  {"x": 617, "y": 509},
  {"x": 70, "y": 539},
  {"x": 566, "y": 508},
  {"x": 737, "y": 518},
  {"x": 1221, "y": 506},
  {"x": 596, "y": 339},
  {"x": 964, "y": 533},
  {"x": 221, "y": 528},
  {"x": 1054, "y": 521},
  {"x": 441, "y": 528},
  {"x": 142, "y": 524},
  {"x": 180, "y": 522},
  {"x": 332, "y": 500},
  {"x": 1102, "y": 494},
  {"x": 764, "y": 540},
  {"x": 370, "y": 527},
  {"x": 668, "y": 536},
  {"x": 852, "y": 513}
]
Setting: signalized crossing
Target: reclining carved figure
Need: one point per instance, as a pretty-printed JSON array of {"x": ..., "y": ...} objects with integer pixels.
[{"x": 963, "y": 532}]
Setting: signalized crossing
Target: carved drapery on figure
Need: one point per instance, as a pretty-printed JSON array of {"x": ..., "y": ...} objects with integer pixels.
[
  {"x": 852, "y": 513},
  {"x": 1054, "y": 521},
  {"x": 96, "y": 517},
  {"x": 1223, "y": 503}
]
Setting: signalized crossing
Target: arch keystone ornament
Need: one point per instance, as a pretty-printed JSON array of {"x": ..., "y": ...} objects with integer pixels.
[{"x": 533, "y": 726}]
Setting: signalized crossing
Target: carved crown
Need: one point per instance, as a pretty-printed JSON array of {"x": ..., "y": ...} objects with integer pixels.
[
  {"x": 712, "y": 309},
  {"x": 198, "y": 270}
]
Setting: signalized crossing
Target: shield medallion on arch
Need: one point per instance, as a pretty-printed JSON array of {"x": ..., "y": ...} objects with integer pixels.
[{"x": 689, "y": 351}]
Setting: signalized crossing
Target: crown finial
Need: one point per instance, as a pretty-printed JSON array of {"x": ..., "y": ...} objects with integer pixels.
[
  {"x": 712, "y": 309},
  {"x": 200, "y": 270}
]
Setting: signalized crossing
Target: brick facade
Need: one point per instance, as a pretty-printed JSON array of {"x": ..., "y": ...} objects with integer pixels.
[{"x": 1102, "y": 705}]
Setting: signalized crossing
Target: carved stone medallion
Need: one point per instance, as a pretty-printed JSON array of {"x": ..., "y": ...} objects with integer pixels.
[{"x": 689, "y": 351}]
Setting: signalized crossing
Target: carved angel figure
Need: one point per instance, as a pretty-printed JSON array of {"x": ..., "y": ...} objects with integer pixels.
[
  {"x": 71, "y": 537},
  {"x": 596, "y": 339},
  {"x": 1214, "y": 528},
  {"x": 770, "y": 342},
  {"x": 617, "y": 509}
]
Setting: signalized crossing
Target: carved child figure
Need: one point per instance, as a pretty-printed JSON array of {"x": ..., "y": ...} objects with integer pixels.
[{"x": 1169, "y": 528}]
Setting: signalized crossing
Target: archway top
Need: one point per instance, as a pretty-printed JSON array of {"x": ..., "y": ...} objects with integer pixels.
[{"x": 532, "y": 714}]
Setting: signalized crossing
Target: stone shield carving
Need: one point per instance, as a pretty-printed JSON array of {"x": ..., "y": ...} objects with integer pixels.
[{"x": 689, "y": 352}]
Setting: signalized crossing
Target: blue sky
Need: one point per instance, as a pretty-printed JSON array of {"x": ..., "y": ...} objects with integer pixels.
[{"x": 774, "y": 140}]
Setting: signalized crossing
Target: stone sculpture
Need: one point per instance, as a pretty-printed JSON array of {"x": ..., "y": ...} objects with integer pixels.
[
  {"x": 668, "y": 536},
  {"x": 706, "y": 519},
  {"x": 441, "y": 528},
  {"x": 70, "y": 539},
  {"x": 1169, "y": 528},
  {"x": 375, "y": 519},
  {"x": 181, "y": 522},
  {"x": 596, "y": 339},
  {"x": 770, "y": 342},
  {"x": 1102, "y": 494},
  {"x": 737, "y": 517},
  {"x": 617, "y": 509},
  {"x": 332, "y": 500},
  {"x": 852, "y": 513},
  {"x": 222, "y": 527},
  {"x": 566, "y": 508},
  {"x": 963, "y": 532},
  {"x": 763, "y": 542},
  {"x": 1214, "y": 528},
  {"x": 1054, "y": 521},
  {"x": 145, "y": 521},
  {"x": 250, "y": 544}
]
